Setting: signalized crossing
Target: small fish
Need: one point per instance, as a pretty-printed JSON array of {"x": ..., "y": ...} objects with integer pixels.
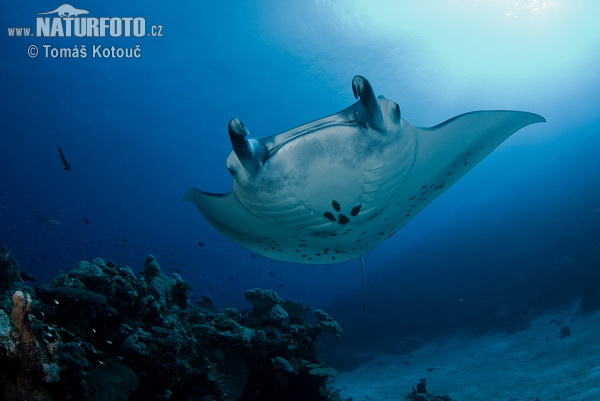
[
  {"x": 271, "y": 274},
  {"x": 200, "y": 244},
  {"x": 44, "y": 219},
  {"x": 51, "y": 221},
  {"x": 86, "y": 221},
  {"x": 64, "y": 161},
  {"x": 282, "y": 285}
]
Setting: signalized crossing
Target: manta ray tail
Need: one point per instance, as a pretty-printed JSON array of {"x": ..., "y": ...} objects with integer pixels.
[{"x": 362, "y": 265}]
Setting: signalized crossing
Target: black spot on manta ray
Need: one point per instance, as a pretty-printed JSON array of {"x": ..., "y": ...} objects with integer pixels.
[
  {"x": 355, "y": 210},
  {"x": 342, "y": 219},
  {"x": 329, "y": 216},
  {"x": 336, "y": 205}
]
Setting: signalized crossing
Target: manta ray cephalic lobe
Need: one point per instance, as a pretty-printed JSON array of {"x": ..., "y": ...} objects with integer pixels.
[{"x": 331, "y": 190}]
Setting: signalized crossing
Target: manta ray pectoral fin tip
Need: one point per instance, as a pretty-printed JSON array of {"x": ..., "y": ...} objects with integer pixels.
[
  {"x": 188, "y": 195},
  {"x": 196, "y": 196},
  {"x": 193, "y": 195},
  {"x": 535, "y": 118}
]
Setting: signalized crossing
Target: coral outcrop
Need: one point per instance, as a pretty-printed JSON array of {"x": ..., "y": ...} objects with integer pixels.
[
  {"x": 101, "y": 332},
  {"x": 420, "y": 394}
]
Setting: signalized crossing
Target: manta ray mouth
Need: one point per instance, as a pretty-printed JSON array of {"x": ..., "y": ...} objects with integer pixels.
[{"x": 310, "y": 129}]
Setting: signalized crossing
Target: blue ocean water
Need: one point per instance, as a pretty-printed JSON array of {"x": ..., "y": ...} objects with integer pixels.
[{"x": 516, "y": 235}]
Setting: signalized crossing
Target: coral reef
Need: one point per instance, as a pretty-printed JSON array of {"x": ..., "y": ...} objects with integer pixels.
[
  {"x": 420, "y": 394},
  {"x": 101, "y": 332}
]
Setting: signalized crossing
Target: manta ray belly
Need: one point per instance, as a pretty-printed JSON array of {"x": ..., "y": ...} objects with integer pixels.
[{"x": 329, "y": 197}]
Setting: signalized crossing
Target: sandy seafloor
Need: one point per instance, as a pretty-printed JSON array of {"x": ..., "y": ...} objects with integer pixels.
[{"x": 535, "y": 364}]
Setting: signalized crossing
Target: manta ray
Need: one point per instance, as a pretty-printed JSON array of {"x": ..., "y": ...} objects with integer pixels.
[{"x": 333, "y": 189}]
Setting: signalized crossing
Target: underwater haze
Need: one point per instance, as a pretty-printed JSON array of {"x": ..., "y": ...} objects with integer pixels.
[{"x": 518, "y": 235}]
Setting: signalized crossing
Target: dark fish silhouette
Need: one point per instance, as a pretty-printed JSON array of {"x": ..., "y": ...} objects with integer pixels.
[
  {"x": 64, "y": 161},
  {"x": 45, "y": 219},
  {"x": 27, "y": 276},
  {"x": 86, "y": 221}
]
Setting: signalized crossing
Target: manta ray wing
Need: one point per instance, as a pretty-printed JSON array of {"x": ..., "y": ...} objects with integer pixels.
[
  {"x": 446, "y": 152},
  {"x": 449, "y": 150}
]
